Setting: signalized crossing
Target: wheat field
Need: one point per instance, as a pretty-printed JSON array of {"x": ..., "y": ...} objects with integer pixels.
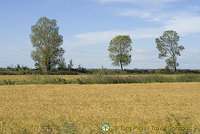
[{"x": 89, "y": 106}]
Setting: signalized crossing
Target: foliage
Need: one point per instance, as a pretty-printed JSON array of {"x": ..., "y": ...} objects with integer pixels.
[
  {"x": 24, "y": 70},
  {"x": 81, "y": 69},
  {"x": 103, "y": 79},
  {"x": 168, "y": 47},
  {"x": 119, "y": 49},
  {"x": 70, "y": 65},
  {"x": 62, "y": 64},
  {"x": 46, "y": 40},
  {"x": 35, "y": 79}
]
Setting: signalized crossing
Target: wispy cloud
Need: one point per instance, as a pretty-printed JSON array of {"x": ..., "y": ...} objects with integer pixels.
[
  {"x": 185, "y": 24},
  {"x": 92, "y": 38},
  {"x": 185, "y": 21},
  {"x": 135, "y": 13},
  {"x": 147, "y": 15}
]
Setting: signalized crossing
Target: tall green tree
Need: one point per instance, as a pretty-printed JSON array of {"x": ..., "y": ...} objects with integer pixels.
[
  {"x": 119, "y": 49},
  {"x": 47, "y": 42},
  {"x": 168, "y": 48},
  {"x": 70, "y": 65}
]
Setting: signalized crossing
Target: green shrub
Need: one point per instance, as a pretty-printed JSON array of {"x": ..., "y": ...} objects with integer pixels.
[
  {"x": 188, "y": 78},
  {"x": 183, "y": 128},
  {"x": 103, "y": 79},
  {"x": 99, "y": 78},
  {"x": 35, "y": 79}
]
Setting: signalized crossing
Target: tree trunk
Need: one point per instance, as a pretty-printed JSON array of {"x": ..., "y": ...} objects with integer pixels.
[
  {"x": 48, "y": 64},
  {"x": 48, "y": 67},
  {"x": 121, "y": 66},
  {"x": 175, "y": 69}
]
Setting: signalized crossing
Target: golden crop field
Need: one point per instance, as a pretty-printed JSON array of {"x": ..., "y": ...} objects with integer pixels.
[{"x": 90, "y": 106}]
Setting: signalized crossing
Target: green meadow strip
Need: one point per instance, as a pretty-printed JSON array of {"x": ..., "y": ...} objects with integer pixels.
[{"x": 103, "y": 79}]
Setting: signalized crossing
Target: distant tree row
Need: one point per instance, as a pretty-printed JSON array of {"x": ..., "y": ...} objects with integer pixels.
[{"x": 48, "y": 52}]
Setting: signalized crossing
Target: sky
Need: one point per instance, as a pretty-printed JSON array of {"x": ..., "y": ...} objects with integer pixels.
[{"x": 87, "y": 26}]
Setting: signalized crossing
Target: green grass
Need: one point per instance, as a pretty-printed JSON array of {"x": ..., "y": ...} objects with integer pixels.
[
  {"x": 35, "y": 79},
  {"x": 103, "y": 79}
]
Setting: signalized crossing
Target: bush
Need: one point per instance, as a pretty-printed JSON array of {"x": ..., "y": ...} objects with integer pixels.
[
  {"x": 35, "y": 79},
  {"x": 99, "y": 78},
  {"x": 103, "y": 79}
]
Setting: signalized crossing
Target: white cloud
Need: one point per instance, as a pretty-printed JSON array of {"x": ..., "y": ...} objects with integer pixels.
[
  {"x": 184, "y": 24},
  {"x": 92, "y": 38},
  {"x": 147, "y": 15},
  {"x": 135, "y": 13}
]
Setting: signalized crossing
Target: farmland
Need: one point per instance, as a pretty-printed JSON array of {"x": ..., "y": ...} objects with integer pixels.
[
  {"x": 100, "y": 67},
  {"x": 24, "y": 77},
  {"x": 97, "y": 78},
  {"x": 26, "y": 107}
]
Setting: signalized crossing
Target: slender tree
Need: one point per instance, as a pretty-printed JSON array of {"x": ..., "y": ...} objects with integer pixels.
[
  {"x": 168, "y": 46},
  {"x": 119, "y": 49},
  {"x": 46, "y": 40},
  {"x": 70, "y": 65}
]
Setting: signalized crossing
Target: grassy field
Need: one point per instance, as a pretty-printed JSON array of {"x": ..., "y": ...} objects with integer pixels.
[
  {"x": 23, "y": 108},
  {"x": 24, "y": 77}
]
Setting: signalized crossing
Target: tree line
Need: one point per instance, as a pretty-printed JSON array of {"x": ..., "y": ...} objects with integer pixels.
[{"x": 48, "y": 53}]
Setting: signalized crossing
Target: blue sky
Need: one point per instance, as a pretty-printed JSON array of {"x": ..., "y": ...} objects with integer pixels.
[{"x": 88, "y": 26}]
